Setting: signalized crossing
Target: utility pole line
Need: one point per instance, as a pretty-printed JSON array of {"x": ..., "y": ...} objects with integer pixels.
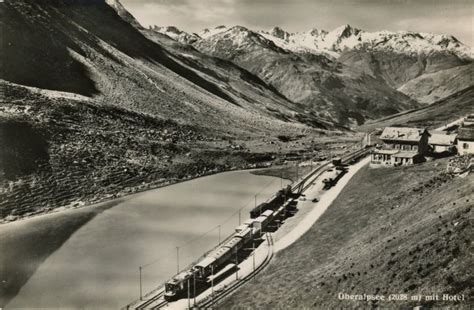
[
  {"x": 212, "y": 281},
  {"x": 177, "y": 259},
  {"x": 253, "y": 256},
  {"x": 281, "y": 178},
  {"x": 189, "y": 297},
  {"x": 140, "y": 272},
  {"x": 236, "y": 266},
  {"x": 194, "y": 288}
]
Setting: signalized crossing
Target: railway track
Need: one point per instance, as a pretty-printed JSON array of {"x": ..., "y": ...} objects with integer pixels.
[
  {"x": 220, "y": 295},
  {"x": 309, "y": 179},
  {"x": 147, "y": 304},
  {"x": 160, "y": 305}
]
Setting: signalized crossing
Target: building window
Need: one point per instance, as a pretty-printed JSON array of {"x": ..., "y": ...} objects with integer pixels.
[{"x": 465, "y": 146}]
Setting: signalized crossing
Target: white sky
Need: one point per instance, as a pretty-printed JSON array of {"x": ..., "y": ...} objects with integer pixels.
[{"x": 448, "y": 16}]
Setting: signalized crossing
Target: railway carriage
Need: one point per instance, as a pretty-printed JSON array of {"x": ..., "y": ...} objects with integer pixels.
[
  {"x": 234, "y": 243},
  {"x": 203, "y": 269},
  {"x": 241, "y": 227},
  {"x": 280, "y": 197},
  {"x": 268, "y": 214},
  {"x": 260, "y": 224},
  {"x": 245, "y": 235},
  {"x": 279, "y": 212}
]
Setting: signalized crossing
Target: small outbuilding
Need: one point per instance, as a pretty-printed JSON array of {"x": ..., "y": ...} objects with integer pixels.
[
  {"x": 465, "y": 140},
  {"x": 469, "y": 120},
  {"x": 441, "y": 142}
]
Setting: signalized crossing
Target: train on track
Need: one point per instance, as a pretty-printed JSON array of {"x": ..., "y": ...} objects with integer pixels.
[
  {"x": 224, "y": 259},
  {"x": 278, "y": 200}
]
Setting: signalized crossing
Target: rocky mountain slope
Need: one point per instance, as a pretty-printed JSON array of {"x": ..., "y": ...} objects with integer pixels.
[
  {"x": 340, "y": 71},
  {"x": 431, "y": 87},
  {"x": 435, "y": 115},
  {"x": 323, "y": 85}
]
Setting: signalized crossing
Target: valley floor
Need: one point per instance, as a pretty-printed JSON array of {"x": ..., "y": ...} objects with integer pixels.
[{"x": 403, "y": 230}]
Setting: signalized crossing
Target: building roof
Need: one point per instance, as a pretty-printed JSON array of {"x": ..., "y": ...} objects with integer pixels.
[
  {"x": 441, "y": 138},
  {"x": 405, "y": 154},
  {"x": 206, "y": 262},
  {"x": 386, "y": 152},
  {"x": 466, "y": 134},
  {"x": 402, "y": 134}
]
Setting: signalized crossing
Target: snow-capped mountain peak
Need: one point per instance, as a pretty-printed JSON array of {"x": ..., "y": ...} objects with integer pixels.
[
  {"x": 206, "y": 33},
  {"x": 277, "y": 32},
  {"x": 177, "y": 34}
]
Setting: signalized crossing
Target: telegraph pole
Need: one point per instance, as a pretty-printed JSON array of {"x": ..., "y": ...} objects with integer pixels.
[
  {"x": 212, "y": 281},
  {"x": 189, "y": 297},
  {"x": 297, "y": 170},
  {"x": 236, "y": 266},
  {"x": 281, "y": 178},
  {"x": 140, "y": 272},
  {"x": 194, "y": 287},
  {"x": 177, "y": 258},
  {"x": 239, "y": 216},
  {"x": 253, "y": 257},
  {"x": 219, "y": 234}
]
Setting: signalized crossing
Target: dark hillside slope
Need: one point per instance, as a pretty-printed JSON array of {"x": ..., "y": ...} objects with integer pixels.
[
  {"x": 432, "y": 87},
  {"x": 435, "y": 115},
  {"x": 241, "y": 83},
  {"x": 54, "y": 26},
  {"x": 32, "y": 56},
  {"x": 404, "y": 230},
  {"x": 397, "y": 69}
]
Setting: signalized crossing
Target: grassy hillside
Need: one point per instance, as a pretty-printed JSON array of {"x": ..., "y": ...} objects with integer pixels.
[{"x": 404, "y": 230}]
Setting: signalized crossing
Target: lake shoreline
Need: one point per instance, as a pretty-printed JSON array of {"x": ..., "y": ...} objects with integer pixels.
[{"x": 125, "y": 196}]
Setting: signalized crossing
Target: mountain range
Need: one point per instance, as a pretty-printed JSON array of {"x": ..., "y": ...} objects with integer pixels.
[
  {"x": 346, "y": 75},
  {"x": 343, "y": 38}
]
